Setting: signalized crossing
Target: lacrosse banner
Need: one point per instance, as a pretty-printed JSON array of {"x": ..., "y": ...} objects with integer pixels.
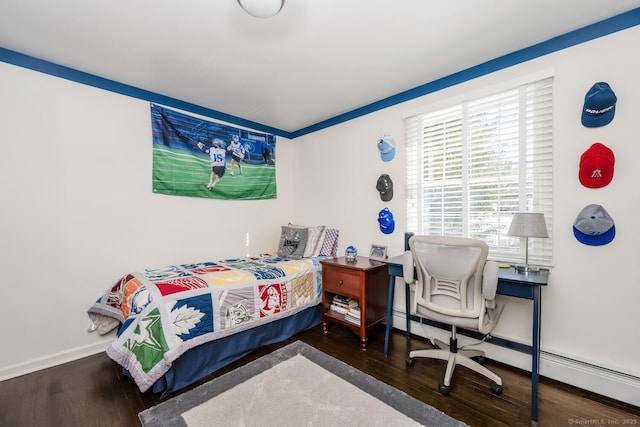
[{"x": 199, "y": 158}]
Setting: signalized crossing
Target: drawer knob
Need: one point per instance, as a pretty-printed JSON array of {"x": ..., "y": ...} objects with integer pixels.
[{"x": 340, "y": 282}]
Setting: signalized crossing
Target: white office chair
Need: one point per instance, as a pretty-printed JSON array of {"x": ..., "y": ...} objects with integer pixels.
[{"x": 457, "y": 286}]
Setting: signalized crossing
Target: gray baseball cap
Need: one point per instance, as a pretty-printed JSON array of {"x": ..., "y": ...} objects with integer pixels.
[
  {"x": 594, "y": 226},
  {"x": 385, "y": 187}
]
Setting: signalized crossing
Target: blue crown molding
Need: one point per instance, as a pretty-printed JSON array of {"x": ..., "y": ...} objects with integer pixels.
[{"x": 608, "y": 26}]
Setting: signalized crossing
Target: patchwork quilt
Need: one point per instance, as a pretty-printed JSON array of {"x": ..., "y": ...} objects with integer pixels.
[{"x": 164, "y": 312}]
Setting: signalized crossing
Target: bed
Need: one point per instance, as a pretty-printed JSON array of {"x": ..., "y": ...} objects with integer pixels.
[{"x": 179, "y": 323}]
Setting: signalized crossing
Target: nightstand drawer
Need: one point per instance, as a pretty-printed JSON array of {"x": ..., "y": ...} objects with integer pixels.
[{"x": 341, "y": 281}]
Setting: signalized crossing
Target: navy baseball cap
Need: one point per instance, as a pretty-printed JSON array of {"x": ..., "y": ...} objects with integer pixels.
[
  {"x": 385, "y": 219},
  {"x": 594, "y": 226},
  {"x": 599, "y": 106}
]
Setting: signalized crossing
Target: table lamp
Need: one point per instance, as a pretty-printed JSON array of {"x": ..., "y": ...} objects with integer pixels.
[{"x": 528, "y": 224}]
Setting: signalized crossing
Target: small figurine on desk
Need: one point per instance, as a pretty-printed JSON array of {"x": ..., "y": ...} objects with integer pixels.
[{"x": 350, "y": 254}]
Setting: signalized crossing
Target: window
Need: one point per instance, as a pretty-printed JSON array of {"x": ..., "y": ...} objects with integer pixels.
[{"x": 472, "y": 166}]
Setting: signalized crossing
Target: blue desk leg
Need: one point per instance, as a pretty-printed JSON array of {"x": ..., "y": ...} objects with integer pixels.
[
  {"x": 392, "y": 283},
  {"x": 535, "y": 356},
  {"x": 407, "y": 304}
]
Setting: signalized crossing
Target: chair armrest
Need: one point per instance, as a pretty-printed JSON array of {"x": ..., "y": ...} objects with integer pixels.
[
  {"x": 490, "y": 280},
  {"x": 407, "y": 266}
]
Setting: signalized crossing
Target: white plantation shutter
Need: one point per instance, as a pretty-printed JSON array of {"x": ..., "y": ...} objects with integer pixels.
[{"x": 472, "y": 166}]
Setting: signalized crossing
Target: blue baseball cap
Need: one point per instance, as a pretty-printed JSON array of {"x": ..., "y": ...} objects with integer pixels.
[
  {"x": 385, "y": 219},
  {"x": 599, "y": 106},
  {"x": 387, "y": 147},
  {"x": 594, "y": 226}
]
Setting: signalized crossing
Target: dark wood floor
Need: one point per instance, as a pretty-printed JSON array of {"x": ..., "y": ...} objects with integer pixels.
[{"x": 92, "y": 391}]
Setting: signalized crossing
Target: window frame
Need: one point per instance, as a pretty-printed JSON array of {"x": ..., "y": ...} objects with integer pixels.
[{"x": 534, "y": 144}]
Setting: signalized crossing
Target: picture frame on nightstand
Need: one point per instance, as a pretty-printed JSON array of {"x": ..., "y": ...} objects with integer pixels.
[{"x": 378, "y": 252}]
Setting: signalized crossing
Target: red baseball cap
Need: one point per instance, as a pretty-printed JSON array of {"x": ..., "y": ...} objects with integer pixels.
[{"x": 596, "y": 166}]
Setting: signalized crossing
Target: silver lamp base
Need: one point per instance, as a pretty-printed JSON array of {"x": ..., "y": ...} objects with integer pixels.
[{"x": 527, "y": 269}]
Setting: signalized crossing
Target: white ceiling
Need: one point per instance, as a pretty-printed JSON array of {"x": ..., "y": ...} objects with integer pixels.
[{"x": 315, "y": 60}]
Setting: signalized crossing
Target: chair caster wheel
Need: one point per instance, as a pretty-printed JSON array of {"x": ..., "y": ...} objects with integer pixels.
[
  {"x": 409, "y": 361},
  {"x": 480, "y": 359},
  {"x": 443, "y": 389},
  {"x": 496, "y": 389}
]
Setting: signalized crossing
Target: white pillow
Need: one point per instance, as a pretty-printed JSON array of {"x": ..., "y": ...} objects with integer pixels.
[{"x": 314, "y": 241}]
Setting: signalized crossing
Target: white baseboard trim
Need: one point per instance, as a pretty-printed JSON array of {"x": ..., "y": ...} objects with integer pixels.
[
  {"x": 613, "y": 384},
  {"x": 38, "y": 364},
  {"x": 604, "y": 381}
]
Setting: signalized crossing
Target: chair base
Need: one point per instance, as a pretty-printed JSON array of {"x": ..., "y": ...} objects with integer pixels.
[{"x": 461, "y": 357}]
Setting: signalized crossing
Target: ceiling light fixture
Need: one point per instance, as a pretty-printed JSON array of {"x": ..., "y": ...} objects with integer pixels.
[{"x": 261, "y": 8}]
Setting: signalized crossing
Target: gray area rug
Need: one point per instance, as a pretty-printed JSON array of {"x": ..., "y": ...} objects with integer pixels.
[{"x": 296, "y": 385}]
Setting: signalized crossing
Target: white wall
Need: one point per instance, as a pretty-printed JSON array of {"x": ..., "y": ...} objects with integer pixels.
[
  {"x": 590, "y": 308},
  {"x": 78, "y": 212}
]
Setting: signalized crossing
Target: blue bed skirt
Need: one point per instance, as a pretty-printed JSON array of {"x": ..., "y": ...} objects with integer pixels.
[{"x": 201, "y": 361}]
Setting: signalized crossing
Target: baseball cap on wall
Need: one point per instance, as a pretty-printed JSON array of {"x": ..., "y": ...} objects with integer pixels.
[
  {"x": 596, "y": 166},
  {"x": 594, "y": 226},
  {"x": 385, "y": 187},
  {"x": 386, "y": 221},
  {"x": 387, "y": 147},
  {"x": 599, "y": 106}
]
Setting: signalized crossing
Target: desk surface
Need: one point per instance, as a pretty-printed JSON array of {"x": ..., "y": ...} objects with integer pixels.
[{"x": 540, "y": 278}]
